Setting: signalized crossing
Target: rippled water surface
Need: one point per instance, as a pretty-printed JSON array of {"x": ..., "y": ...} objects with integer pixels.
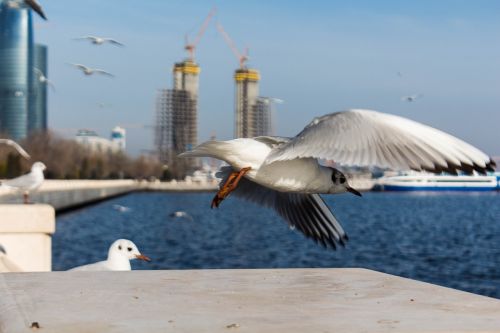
[{"x": 451, "y": 239}]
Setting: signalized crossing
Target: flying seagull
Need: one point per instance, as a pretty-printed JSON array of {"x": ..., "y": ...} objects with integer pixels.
[
  {"x": 16, "y": 146},
  {"x": 100, "y": 40},
  {"x": 119, "y": 255},
  {"x": 33, "y": 4},
  {"x": 181, "y": 214},
  {"x": 285, "y": 173},
  {"x": 90, "y": 71},
  {"x": 28, "y": 182},
  {"x": 43, "y": 79},
  {"x": 411, "y": 98}
]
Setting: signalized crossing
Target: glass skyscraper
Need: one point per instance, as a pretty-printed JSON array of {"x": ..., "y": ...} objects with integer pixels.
[
  {"x": 37, "y": 116},
  {"x": 16, "y": 69}
]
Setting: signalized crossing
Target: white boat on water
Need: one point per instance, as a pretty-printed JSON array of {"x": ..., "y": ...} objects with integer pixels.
[{"x": 421, "y": 181}]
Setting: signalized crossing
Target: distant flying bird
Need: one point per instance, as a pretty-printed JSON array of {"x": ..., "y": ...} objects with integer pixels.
[
  {"x": 411, "y": 98},
  {"x": 28, "y": 182},
  {"x": 16, "y": 146},
  {"x": 90, "y": 71},
  {"x": 286, "y": 174},
  {"x": 119, "y": 255},
  {"x": 36, "y": 7},
  {"x": 43, "y": 79},
  {"x": 400, "y": 75},
  {"x": 100, "y": 40},
  {"x": 122, "y": 209},
  {"x": 181, "y": 214}
]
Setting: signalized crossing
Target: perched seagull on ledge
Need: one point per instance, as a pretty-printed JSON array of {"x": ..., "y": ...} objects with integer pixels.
[
  {"x": 284, "y": 173},
  {"x": 28, "y": 182},
  {"x": 100, "y": 40},
  {"x": 16, "y": 146},
  {"x": 119, "y": 255},
  {"x": 90, "y": 71}
]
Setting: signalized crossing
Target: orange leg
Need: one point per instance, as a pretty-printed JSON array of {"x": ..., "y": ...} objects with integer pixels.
[
  {"x": 229, "y": 186},
  {"x": 26, "y": 198}
]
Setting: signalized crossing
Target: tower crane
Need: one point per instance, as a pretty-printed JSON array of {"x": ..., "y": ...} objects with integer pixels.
[
  {"x": 242, "y": 58},
  {"x": 191, "y": 47}
]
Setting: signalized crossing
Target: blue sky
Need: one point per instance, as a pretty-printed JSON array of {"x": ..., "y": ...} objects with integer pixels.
[{"x": 318, "y": 56}]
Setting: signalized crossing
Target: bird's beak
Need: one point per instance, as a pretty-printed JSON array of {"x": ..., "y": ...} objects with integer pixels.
[
  {"x": 142, "y": 257},
  {"x": 353, "y": 191}
]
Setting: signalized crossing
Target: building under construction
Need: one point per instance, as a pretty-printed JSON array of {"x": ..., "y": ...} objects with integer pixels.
[
  {"x": 177, "y": 118},
  {"x": 252, "y": 113}
]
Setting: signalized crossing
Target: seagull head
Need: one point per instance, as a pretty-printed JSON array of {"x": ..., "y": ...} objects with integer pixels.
[
  {"x": 123, "y": 248},
  {"x": 38, "y": 166},
  {"x": 340, "y": 182}
]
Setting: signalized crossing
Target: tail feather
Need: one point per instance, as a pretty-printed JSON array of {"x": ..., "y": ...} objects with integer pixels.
[{"x": 215, "y": 149}]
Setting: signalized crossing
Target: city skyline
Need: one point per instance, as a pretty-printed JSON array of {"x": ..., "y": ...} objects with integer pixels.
[{"x": 320, "y": 58}]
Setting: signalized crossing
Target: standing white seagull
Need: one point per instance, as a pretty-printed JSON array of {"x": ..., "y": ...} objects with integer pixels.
[
  {"x": 285, "y": 174},
  {"x": 100, "y": 40},
  {"x": 90, "y": 71},
  {"x": 119, "y": 255},
  {"x": 28, "y": 182}
]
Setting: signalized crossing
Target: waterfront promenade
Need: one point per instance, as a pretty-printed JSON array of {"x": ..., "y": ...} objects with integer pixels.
[{"x": 272, "y": 300}]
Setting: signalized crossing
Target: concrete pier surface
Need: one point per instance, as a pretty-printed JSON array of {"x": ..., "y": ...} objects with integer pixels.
[{"x": 276, "y": 300}]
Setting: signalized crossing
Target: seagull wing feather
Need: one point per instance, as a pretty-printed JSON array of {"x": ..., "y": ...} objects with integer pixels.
[
  {"x": 370, "y": 138},
  {"x": 306, "y": 212}
]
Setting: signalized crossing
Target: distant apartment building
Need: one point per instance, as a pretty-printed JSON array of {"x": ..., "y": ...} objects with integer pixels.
[
  {"x": 92, "y": 141},
  {"x": 23, "y": 97},
  {"x": 176, "y": 127},
  {"x": 252, "y": 112}
]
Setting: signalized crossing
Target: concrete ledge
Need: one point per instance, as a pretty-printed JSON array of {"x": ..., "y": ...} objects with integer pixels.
[
  {"x": 25, "y": 232},
  {"x": 27, "y": 219},
  {"x": 289, "y": 300}
]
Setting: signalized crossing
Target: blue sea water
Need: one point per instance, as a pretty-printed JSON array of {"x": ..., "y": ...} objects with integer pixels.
[{"x": 450, "y": 239}]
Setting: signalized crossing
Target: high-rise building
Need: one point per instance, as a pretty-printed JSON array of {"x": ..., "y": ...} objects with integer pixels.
[
  {"x": 177, "y": 117},
  {"x": 16, "y": 69},
  {"x": 263, "y": 122},
  {"x": 37, "y": 118},
  {"x": 247, "y": 96}
]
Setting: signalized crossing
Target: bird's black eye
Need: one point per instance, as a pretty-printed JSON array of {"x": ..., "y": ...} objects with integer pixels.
[
  {"x": 129, "y": 249},
  {"x": 119, "y": 247},
  {"x": 342, "y": 179}
]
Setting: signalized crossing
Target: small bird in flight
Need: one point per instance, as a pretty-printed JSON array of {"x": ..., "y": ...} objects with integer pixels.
[
  {"x": 100, "y": 40},
  {"x": 411, "y": 98},
  {"x": 286, "y": 174},
  {"x": 43, "y": 79},
  {"x": 90, "y": 71}
]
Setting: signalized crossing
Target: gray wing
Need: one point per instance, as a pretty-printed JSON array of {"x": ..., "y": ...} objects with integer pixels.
[
  {"x": 36, "y": 7},
  {"x": 21, "y": 182},
  {"x": 306, "y": 212},
  {"x": 100, "y": 71},
  {"x": 17, "y": 147},
  {"x": 113, "y": 41},
  {"x": 98, "y": 266},
  {"x": 370, "y": 138}
]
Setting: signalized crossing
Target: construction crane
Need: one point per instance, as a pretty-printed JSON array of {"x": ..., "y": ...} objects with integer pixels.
[
  {"x": 242, "y": 58},
  {"x": 191, "y": 47}
]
